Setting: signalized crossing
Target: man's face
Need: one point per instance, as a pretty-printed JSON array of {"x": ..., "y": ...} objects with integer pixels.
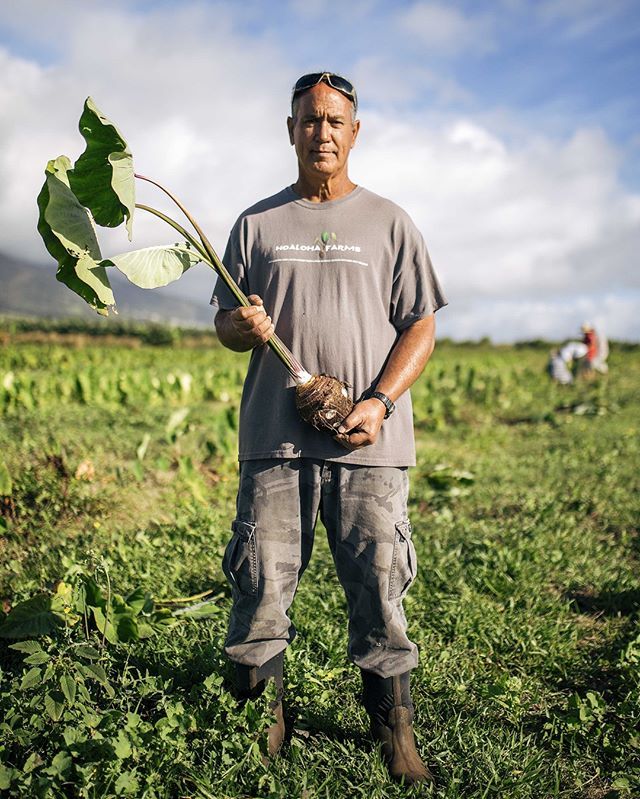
[{"x": 323, "y": 131}]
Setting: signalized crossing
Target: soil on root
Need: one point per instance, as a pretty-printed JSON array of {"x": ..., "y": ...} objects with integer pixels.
[{"x": 324, "y": 402}]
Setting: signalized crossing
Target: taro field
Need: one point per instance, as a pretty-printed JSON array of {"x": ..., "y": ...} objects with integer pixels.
[{"x": 117, "y": 484}]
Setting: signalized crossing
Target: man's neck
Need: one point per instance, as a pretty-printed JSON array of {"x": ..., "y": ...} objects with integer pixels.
[{"x": 323, "y": 191}]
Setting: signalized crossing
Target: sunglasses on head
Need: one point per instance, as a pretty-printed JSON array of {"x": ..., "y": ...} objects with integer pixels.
[{"x": 336, "y": 82}]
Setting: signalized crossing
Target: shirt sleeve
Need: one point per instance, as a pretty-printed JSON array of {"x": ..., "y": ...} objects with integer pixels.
[
  {"x": 416, "y": 291},
  {"x": 234, "y": 259}
]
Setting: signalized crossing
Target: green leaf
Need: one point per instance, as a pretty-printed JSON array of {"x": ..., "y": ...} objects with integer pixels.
[
  {"x": 69, "y": 235},
  {"x": 37, "y": 659},
  {"x": 30, "y": 679},
  {"x": 201, "y": 610},
  {"x": 60, "y": 764},
  {"x": 137, "y": 599},
  {"x": 176, "y": 419},
  {"x": 105, "y": 627},
  {"x": 54, "y": 704},
  {"x": 74, "y": 735},
  {"x": 6, "y": 775},
  {"x": 102, "y": 178},
  {"x": 93, "y": 595},
  {"x": 34, "y": 617},
  {"x": 68, "y": 685},
  {"x": 127, "y": 628},
  {"x": 6, "y": 486},
  {"x": 30, "y": 647},
  {"x": 122, "y": 746},
  {"x": 141, "y": 451},
  {"x": 87, "y": 652},
  {"x": 32, "y": 762},
  {"x": 144, "y": 630},
  {"x": 127, "y": 783},
  {"x": 96, "y": 672},
  {"x": 152, "y": 267}
]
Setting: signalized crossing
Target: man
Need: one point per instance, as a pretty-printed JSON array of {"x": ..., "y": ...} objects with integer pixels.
[
  {"x": 347, "y": 281},
  {"x": 597, "y": 351}
]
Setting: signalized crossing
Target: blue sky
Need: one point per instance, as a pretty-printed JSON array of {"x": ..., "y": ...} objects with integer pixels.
[{"x": 509, "y": 130}]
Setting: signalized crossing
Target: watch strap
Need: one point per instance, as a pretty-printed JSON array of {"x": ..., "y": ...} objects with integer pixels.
[{"x": 388, "y": 404}]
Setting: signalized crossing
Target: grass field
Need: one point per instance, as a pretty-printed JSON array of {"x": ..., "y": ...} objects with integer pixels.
[{"x": 117, "y": 483}]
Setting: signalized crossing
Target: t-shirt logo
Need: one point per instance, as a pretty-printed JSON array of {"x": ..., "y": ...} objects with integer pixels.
[
  {"x": 325, "y": 247},
  {"x": 323, "y": 240}
]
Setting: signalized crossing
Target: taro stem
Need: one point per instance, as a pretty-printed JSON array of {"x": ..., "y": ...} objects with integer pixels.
[{"x": 210, "y": 257}]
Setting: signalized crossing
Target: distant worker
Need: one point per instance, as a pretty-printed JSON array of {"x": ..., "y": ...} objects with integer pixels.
[
  {"x": 597, "y": 350},
  {"x": 561, "y": 362}
]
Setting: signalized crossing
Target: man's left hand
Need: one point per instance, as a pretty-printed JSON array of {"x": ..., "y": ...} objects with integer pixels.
[{"x": 362, "y": 425}]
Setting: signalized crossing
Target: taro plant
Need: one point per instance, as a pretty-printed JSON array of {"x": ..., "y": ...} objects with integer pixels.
[{"x": 100, "y": 189}]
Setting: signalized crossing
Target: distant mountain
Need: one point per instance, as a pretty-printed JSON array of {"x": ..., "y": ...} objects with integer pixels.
[{"x": 28, "y": 289}]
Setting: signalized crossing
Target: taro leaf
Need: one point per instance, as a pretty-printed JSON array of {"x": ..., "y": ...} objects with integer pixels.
[
  {"x": 162, "y": 618},
  {"x": 93, "y": 596},
  {"x": 152, "y": 267},
  {"x": 70, "y": 237},
  {"x": 105, "y": 627},
  {"x": 102, "y": 178},
  {"x": 137, "y": 600},
  {"x": 144, "y": 630},
  {"x": 126, "y": 627},
  {"x": 40, "y": 615}
]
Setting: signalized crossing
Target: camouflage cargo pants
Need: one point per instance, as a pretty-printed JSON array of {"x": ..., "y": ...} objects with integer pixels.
[{"x": 364, "y": 509}]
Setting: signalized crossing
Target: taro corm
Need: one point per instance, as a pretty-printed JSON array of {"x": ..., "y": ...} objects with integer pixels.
[{"x": 100, "y": 189}]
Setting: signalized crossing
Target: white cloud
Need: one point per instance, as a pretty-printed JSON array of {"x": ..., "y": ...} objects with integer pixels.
[
  {"x": 446, "y": 29},
  {"x": 184, "y": 91},
  {"x": 542, "y": 223},
  {"x": 530, "y": 234},
  {"x": 384, "y": 83}
]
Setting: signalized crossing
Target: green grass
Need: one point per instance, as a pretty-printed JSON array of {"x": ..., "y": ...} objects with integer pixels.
[{"x": 525, "y": 608}]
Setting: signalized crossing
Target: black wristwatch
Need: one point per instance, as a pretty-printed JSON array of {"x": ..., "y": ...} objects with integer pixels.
[{"x": 386, "y": 402}]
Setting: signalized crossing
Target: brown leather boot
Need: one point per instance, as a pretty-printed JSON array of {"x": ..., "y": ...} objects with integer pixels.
[
  {"x": 388, "y": 703},
  {"x": 250, "y": 684}
]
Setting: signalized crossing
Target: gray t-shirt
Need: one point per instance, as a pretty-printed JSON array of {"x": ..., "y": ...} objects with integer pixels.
[{"x": 341, "y": 280}]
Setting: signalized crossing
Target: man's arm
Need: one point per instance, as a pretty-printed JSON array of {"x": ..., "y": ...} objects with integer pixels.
[
  {"x": 244, "y": 328},
  {"x": 406, "y": 363}
]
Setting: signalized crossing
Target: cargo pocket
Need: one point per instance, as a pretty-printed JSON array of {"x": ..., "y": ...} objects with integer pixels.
[
  {"x": 240, "y": 562},
  {"x": 403, "y": 565}
]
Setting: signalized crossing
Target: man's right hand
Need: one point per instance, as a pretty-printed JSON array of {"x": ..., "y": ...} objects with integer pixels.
[{"x": 245, "y": 327}]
